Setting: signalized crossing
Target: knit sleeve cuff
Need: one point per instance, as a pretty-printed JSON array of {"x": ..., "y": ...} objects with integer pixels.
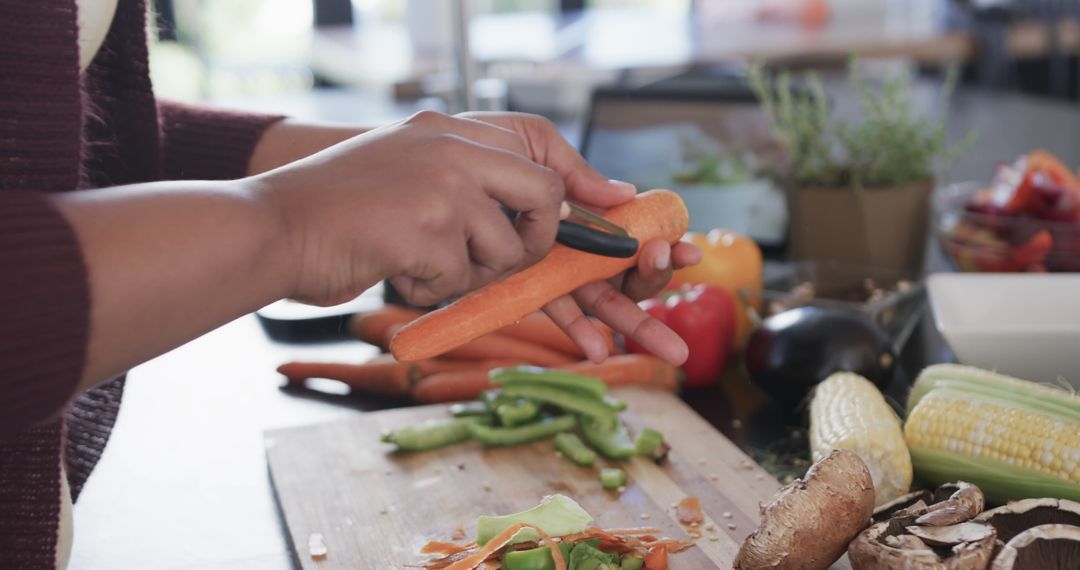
[
  {"x": 208, "y": 144},
  {"x": 45, "y": 296}
]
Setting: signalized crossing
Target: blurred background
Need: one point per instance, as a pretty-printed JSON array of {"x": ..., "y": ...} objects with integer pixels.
[{"x": 357, "y": 59}]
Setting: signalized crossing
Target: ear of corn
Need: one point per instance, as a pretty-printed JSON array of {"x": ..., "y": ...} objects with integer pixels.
[
  {"x": 1014, "y": 439},
  {"x": 977, "y": 380},
  {"x": 848, "y": 412}
]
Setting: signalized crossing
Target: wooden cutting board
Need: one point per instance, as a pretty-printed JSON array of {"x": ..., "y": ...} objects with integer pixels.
[{"x": 376, "y": 508}]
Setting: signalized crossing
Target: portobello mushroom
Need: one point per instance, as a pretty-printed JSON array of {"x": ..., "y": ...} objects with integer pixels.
[
  {"x": 927, "y": 530},
  {"x": 891, "y": 544},
  {"x": 808, "y": 523},
  {"x": 1012, "y": 519},
  {"x": 1043, "y": 547}
]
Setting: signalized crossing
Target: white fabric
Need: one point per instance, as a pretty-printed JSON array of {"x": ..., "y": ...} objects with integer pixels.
[
  {"x": 95, "y": 17},
  {"x": 66, "y": 532}
]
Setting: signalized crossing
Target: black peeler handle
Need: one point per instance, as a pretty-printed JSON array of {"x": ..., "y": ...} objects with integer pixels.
[{"x": 592, "y": 240}]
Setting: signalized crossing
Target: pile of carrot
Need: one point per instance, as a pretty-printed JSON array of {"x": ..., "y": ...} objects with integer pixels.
[{"x": 462, "y": 373}]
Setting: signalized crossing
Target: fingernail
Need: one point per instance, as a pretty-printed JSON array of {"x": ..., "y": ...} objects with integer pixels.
[
  {"x": 663, "y": 261},
  {"x": 624, "y": 187},
  {"x": 564, "y": 211}
]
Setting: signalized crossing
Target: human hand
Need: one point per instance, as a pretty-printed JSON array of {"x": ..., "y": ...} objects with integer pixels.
[
  {"x": 417, "y": 201},
  {"x": 612, "y": 301}
]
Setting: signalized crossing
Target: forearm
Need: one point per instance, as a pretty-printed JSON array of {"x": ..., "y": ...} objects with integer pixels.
[
  {"x": 168, "y": 262},
  {"x": 288, "y": 140}
]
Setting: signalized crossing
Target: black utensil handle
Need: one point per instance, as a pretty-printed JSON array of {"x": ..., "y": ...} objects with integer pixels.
[{"x": 592, "y": 240}]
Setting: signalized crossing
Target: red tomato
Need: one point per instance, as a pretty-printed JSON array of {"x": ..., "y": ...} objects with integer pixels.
[{"x": 704, "y": 316}]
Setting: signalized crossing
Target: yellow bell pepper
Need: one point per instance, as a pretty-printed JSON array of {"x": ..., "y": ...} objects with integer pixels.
[{"x": 731, "y": 261}]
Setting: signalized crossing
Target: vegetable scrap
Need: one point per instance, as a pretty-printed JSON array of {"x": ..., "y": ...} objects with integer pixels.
[
  {"x": 554, "y": 535},
  {"x": 689, "y": 511},
  {"x": 316, "y": 546}
]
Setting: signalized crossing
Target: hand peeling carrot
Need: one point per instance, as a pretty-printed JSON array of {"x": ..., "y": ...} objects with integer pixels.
[
  {"x": 623, "y": 370},
  {"x": 657, "y": 214}
]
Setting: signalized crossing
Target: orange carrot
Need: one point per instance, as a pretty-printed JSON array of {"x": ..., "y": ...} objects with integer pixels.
[
  {"x": 371, "y": 326},
  {"x": 540, "y": 329},
  {"x": 631, "y": 370},
  {"x": 380, "y": 375},
  {"x": 622, "y": 370},
  {"x": 657, "y": 214},
  {"x": 451, "y": 386},
  {"x": 497, "y": 346},
  {"x": 503, "y": 347}
]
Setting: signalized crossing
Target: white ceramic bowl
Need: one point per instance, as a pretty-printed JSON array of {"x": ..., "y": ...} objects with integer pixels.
[{"x": 1022, "y": 324}]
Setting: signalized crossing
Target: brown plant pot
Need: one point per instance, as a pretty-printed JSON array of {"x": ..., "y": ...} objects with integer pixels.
[{"x": 880, "y": 227}]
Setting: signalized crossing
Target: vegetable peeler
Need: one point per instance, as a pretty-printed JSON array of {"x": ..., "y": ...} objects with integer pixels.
[{"x": 614, "y": 242}]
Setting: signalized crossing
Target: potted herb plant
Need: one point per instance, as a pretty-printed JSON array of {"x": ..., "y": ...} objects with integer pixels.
[{"x": 859, "y": 191}]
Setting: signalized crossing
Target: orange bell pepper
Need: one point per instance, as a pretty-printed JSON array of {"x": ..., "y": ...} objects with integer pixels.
[{"x": 732, "y": 262}]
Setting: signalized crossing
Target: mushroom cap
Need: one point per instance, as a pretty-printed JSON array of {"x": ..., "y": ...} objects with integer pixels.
[
  {"x": 887, "y": 545},
  {"x": 953, "y": 503},
  {"x": 1045, "y": 547},
  {"x": 1012, "y": 519},
  {"x": 953, "y": 534},
  {"x": 887, "y": 510},
  {"x": 808, "y": 523}
]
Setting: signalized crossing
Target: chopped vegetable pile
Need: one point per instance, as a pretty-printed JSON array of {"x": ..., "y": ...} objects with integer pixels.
[
  {"x": 524, "y": 541},
  {"x": 533, "y": 403}
]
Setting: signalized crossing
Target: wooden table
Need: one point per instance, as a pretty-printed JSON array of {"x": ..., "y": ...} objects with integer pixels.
[{"x": 183, "y": 482}]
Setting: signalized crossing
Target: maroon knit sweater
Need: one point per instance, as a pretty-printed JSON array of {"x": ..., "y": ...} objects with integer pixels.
[{"x": 60, "y": 131}]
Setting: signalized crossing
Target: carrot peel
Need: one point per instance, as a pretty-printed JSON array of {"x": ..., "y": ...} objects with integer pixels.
[{"x": 502, "y": 539}]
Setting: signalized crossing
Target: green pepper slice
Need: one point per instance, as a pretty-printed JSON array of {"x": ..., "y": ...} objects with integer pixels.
[
  {"x": 612, "y": 478},
  {"x": 432, "y": 434},
  {"x": 572, "y": 448},
  {"x": 565, "y": 399},
  {"x": 554, "y": 378},
  {"x": 647, "y": 441},
  {"x": 517, "y": 412},
  {"x": 611, "y": 440},
  {"x": 465, "y": 409},
  {"x": 493, "y": 436}
]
